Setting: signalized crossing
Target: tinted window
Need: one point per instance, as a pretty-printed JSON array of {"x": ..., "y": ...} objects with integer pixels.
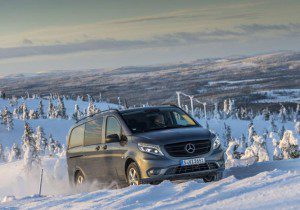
[
  {"x": 112, "y": 126},
  {"x": 157, "y": 119},
  {"x": 77, "y": 137},
  {"x": 93, "y": 132}
]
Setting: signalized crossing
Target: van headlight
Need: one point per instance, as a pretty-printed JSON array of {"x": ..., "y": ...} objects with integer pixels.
[
  {"x": 216, "y": 143},
  {"x": 150, "y": 148}
]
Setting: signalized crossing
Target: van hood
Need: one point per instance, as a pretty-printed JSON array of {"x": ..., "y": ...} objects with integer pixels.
[{"x": 169, "y": 136}]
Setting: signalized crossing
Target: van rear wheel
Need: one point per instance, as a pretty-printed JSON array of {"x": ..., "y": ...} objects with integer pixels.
[
  {"x": 79, "y": 178},
  {"x": 133, "y": 175}
]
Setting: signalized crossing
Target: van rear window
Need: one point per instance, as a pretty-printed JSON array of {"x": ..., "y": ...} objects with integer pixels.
[{"x": 77, "y": 136}]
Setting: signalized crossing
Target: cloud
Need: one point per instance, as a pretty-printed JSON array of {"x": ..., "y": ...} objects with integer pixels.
[
  {"x": 253, "y": 28},
  {"x": 165, "y": 40}
]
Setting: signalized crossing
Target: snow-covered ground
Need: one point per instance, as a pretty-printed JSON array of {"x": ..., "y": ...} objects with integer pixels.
[{"x": 267, "y": 185}]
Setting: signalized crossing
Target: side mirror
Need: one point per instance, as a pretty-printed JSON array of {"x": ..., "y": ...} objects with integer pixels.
[{"x": 112, "y": 138}]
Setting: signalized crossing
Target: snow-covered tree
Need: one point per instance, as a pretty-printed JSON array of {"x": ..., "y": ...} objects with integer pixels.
[
  {"x": 24, "y": 112},
  {"x": 15, "y": 153},
  {"x": 273, "y": 126},
  {"x": 283, "y": 114},
  {"x": 289, "y": 145},
  {"x": 51, "y": 109},
  {"x": 297, "y": 113},
  {"x": 277, "y": 154},
  {"x": 241, "y": 146},
  {"x": 7, "y": 119},
  {"x": 61, "y": 109},
  {"x": 16, "y": 113},
  {"x": 40, "y": 111},
  {"x": 297, "y": 127},
  {"x": 226, "y": 108},
  {"x": 40, "y": 140},
  {"x": 281, "y": 132},
  {"x": 232, "y": 108},
  {"x": 77, "y": 114},
  {"x": 51, "y": 145},
  {"x": 257, "y": 150},
  {"x": 216, "y": 111},
  {"x": 227, "y": 133},
  {"x": 32, "y": 114},
  {"x": 31, "y": 156},
  {"x": 251, "y": 133},
  {"x": 2, "y": 156},
  {"x": 266, "y": 114},
  {"x": 91, "y": 108}
]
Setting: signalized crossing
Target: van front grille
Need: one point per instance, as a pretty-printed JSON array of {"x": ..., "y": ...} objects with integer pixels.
[
  {"x": 192, "y": 168},
  {"x": 180, "y": 149}
]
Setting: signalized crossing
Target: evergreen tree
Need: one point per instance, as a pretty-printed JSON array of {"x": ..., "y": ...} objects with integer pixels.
[
  {"x": 91, "y": 108},
  {"x": 15, "y": 153},
  {"x": 51, "y": 109},
  {"x": 277, "y": 154},
  {"x": 297, "y": 128},
  {"x": 16, "y": 113},
  {"x": 283, "y": 114},
  {"x": 281, "y": 133},
  {"x": 289, "y": 145},
  {"x": 40, "y": 140},
  {"x": 227, "y": 134},
  {"x": 40, "y": 112},
  {"x": 24, "y": 112},
  {"x": 7, "y": 119},
  {"x": 61, "y": 108},
  {"x": 52, "y": 145},
  {"x": 273, "y": 125},
  {"x": 216, "y": 111},
  {"x": 77, "y": 114},
  {"x": 251, "y": 133},
  {"x": 30, "y": 151},
  {"x": 297, "y": 114},
  {"x": 2, "y": 157}
]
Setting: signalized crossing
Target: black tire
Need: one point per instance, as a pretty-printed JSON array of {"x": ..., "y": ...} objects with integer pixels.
[
  {"x": 133, "y": 174},
  {"x": 79, "y": 178},
  {"x": 213, "y": 177}
]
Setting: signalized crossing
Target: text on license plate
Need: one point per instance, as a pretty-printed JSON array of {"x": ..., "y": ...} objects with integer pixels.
[{"x": 194, "y": 161}]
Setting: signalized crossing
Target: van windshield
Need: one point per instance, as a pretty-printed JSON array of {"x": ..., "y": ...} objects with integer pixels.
[{"x": 157, "y": 119}]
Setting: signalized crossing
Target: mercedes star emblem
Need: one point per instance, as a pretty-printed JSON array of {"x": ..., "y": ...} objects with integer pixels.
[{"x": 190, "y": 148}]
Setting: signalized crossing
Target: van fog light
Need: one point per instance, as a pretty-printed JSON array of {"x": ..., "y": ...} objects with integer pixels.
[{"x": 153, "y": 172}]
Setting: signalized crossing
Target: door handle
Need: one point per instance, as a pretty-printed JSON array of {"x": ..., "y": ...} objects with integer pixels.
[
  {"x": 104, "y": 147},
  {"x": 97, "y": 148}
]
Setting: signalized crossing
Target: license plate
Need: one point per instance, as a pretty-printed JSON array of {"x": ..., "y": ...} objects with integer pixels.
[{"x": 194, "y": 161}]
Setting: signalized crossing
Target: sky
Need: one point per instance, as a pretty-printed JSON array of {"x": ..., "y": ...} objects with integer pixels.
[{"x": 45, "y": 35}]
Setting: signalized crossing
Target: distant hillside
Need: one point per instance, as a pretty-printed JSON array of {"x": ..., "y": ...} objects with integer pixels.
[{"x": 256, "y": 79}]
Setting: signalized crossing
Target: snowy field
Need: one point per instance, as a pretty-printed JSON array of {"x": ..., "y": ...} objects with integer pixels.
[
  {"x": 262, "y": 185},
  {"x": 267, "y": 185}
]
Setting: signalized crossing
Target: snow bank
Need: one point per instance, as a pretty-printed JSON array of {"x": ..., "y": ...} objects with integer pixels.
[{"x": 267, "y": 185}]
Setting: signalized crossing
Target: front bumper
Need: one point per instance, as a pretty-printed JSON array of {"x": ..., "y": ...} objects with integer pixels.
[{"x": 168, "y": 168}]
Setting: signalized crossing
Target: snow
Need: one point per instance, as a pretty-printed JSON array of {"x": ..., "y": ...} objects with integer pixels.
[
  {"x": 57, "y": 127},
  {"x": 266, "y": 185}
]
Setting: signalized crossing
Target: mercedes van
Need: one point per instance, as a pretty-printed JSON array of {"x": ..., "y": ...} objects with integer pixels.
[{"x": 142, "y": 145}]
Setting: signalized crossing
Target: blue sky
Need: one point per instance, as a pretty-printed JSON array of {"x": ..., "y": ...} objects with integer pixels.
[{"x": 40, "y": 35}]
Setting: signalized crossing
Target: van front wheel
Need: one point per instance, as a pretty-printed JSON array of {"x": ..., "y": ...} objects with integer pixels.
[
  {"x": 133, "y": 175},
  {"x": 213, "y": 177},
  {"x": 79, "y": 178}
]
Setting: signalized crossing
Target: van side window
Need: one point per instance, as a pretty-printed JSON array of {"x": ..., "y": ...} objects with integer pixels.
[
  {"x": 112, "y": 126},
  {"x": 93, "y": 132},
  {"x": 77, "y": 136}
]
